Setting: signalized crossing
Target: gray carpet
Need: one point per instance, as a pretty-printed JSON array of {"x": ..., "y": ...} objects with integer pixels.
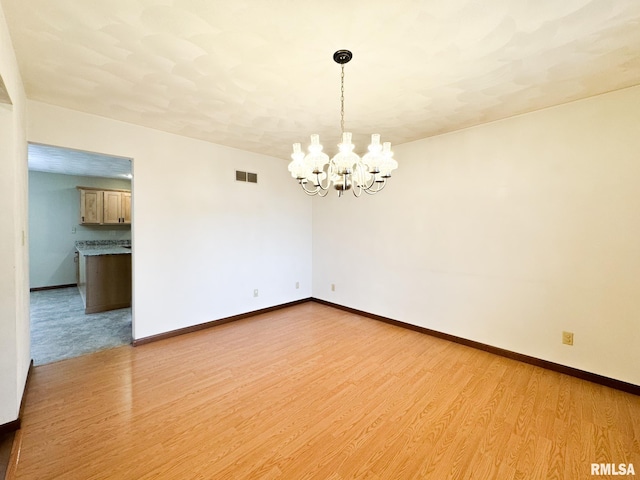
[{"x": 60, "y": 329}]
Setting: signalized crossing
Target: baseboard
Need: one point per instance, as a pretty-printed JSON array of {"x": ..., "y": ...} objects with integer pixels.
[
  {"x": 106, "y": 308},
  {"x": 214, "y": 323},
  {"x": 10, "y": 426},
  {"x": 26, "y": 388},
  {"x": 556, "y": 367},
  {"x": 53, "y": 287},
  {"x": 15, "y": 424}
]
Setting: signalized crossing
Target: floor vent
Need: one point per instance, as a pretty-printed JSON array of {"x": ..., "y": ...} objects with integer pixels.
[{"x": 246, "y": 177}]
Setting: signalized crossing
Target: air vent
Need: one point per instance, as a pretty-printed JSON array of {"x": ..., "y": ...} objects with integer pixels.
[{"x": 246, "y": 177}]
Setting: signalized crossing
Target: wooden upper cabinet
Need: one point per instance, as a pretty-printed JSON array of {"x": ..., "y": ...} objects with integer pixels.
[
  {"x": 91, "y": 208},
  {"x": 112, "y": 206},
  {"x": 126, "y": 208},
  {"x": 104, "y": 207}
]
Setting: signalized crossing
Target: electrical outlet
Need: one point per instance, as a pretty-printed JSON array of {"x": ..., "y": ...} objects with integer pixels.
[
  {"x": 255, "y": 292},
  {"x": 333, "y": 287},
  {"x": 567, "y": 338},
  {"x": 297, "y": 285},
  {"x": 73, "y": 229}
]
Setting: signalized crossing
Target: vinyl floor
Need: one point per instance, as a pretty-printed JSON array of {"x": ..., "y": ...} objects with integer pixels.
[
  {"x": 60, "y": 329},
  {"x": 312, "y": 392},
  {"x": 6, "y": 440}
]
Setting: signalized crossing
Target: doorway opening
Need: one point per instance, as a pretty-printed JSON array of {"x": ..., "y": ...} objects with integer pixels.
[{"x": 61, "y": 239}]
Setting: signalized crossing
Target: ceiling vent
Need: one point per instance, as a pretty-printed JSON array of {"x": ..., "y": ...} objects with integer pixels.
[{"x": 246, "y": 177}]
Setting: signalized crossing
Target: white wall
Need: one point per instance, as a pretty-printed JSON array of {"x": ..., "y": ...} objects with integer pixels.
[
  {"x": 506, "y": 234},
  {"x": 54, "y": 210},
  {"x": 14, "y": 292},
  {"x": 202, "y": 242}
]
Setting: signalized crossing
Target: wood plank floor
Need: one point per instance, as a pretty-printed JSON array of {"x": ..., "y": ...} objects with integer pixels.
[{"x": 314, "y": 392}]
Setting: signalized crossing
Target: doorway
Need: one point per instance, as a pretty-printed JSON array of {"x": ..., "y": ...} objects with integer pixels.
[{"x": 60, "y": 328}]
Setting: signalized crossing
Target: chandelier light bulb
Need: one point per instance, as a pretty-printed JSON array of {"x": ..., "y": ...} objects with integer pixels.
[
  {"x": 375, "y": 143},
  {"x": 297, "y": 167},
  {"x": 346, "y": 146},
  {"x": 316, "y": 159},
  {"x": 388, "y": 162},
  {"x": 297, "y": 152},
  {"x": 315, "y": 144},
  {"x": 374, "y": 158}
]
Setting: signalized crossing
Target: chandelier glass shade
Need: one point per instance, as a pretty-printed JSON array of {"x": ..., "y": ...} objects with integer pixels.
[{"x": 316, "y": 172}]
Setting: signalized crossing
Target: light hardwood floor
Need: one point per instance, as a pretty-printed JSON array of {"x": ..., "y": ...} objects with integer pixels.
[{"x": 314, "y": 392}]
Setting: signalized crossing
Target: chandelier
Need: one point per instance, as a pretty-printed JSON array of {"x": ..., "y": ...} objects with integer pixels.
[{"x": 315, "y": 172}]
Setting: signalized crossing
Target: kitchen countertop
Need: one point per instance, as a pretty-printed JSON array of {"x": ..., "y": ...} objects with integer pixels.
[
  {"x": 104, "y": 247},
  {"x": 92, "y": 251}
]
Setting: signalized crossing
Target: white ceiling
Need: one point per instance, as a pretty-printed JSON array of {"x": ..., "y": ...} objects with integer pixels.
[
  {"x": 47, "y": 158},
  {"x": 258, "y": 74}
]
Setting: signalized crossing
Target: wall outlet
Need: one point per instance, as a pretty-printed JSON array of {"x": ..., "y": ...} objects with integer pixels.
[
  {"x": 567, "y": 338},
  {"x": 297, "y": 285},
  {"x": 73, "y": 229},
  {"x": 333, "y": 287},
  {"x": 255, "y": 292}
]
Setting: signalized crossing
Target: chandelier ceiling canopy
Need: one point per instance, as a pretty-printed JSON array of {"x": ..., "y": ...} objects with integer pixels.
[{"x": 316, "y": 172}]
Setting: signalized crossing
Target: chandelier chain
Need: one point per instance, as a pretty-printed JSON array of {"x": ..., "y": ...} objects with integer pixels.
[{"x": 342, "y": 100}]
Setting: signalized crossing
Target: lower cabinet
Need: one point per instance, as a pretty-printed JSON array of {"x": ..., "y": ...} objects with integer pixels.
[{"x": 104, "y": 282}]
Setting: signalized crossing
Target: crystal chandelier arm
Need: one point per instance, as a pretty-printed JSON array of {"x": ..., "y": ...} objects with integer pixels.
[
  {"x": 381, "y": 185},
  {"x": 369, "y": 188},
  {"x": 318, "y": 188},
  {"x": 366, "y": 187},
  {"x": 319, "y": 182},
  {"x": 317, "y": 191},
  {"x": 307, "y": 191},
  {"x": 323, "y": 193}
]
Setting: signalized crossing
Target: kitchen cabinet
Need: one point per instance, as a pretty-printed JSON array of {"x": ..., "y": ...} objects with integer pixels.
[
  {"x": 117, "y": 207},
  {"x": 126, "y": 208},
  {"x": 104, "y": 280},
  {"x": 104, "y": 206},
  {"x": 91, "y": 208}
]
